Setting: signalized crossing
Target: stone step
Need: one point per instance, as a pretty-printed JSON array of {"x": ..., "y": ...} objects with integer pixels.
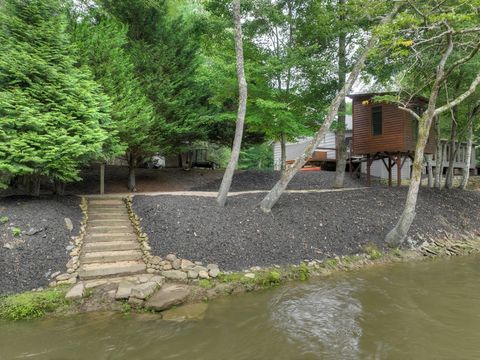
[
  {"x": 110, "y": 232},
  {"x": 113, "y": 228},
  {"x": 108, "y": 217},
  {"x": 112, "y": 210},
  {"x": 111, "y": 237},
  {"x": 111, "y": 245},
  {"x": 119, "y": 268},
  {"x": 111, "y": 202},
  {"x": 113, "y": 222},
  {"x": 110, "y": 256}
]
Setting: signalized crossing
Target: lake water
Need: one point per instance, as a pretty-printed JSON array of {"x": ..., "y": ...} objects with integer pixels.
[{"x": 428, "y": 310}]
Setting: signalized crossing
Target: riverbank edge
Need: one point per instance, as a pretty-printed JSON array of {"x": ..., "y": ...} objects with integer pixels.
[{"x": 52, "y": 303}]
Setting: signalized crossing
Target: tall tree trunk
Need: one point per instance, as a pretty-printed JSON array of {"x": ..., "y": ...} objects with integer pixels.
[
  {"x": 468, "y": 160},
  {"x": 438, "y": 156},
  {"x": 283, "y": 153},
  {"x": 341, "y": 148},
  {"x": 132, "y": 164},
  {"x": 34, "y": 182},
  {"x": 272, "y": 197},
  {"x": 428, "y": 159},
  {"x": 453, "y": 149},
  {"x": 242, "y": 108}
]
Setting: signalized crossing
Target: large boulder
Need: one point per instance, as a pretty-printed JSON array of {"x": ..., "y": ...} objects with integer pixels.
[{"x": 168, "y": 296}]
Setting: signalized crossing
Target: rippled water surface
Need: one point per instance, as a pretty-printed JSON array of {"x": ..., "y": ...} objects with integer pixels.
[{"x": 428, "y": 310}]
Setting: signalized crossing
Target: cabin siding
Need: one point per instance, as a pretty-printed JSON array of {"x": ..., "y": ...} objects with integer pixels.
[
  {"x": 397, "y": 129},
  {"x": 392, "y": 126}
]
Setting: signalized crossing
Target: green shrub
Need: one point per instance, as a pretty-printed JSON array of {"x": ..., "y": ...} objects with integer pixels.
[
  {"x": 302, "y": 272},
  {"x": 16, "y": 231},
  {"x": 372, "y": 251},
  {"x": 31, "y": 305}
]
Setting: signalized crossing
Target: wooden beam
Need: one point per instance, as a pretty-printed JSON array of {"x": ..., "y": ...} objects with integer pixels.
[
  {"x": 399, "y": 169},
  {"x": 369, "y": 164}
]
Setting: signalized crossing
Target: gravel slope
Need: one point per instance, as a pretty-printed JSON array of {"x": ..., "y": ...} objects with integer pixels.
[
  {"x": 28, "y": 260},
  {"x": 301, "y": 226},
  {"x": 264, "y": 180}
]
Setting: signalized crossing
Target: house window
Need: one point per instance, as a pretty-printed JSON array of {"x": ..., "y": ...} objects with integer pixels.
[{"x": 377, "y": 121}]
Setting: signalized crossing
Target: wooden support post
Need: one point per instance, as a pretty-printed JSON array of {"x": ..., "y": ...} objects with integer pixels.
[
  {"x": 399, "y": 169},
  {"x": 102, "y": 178},
  {"x": 390, "y": 165},
  {"x": 369, "y": 164}
]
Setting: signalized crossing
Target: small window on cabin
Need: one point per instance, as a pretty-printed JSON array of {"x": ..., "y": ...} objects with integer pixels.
[{"x": 377, "y": 121}]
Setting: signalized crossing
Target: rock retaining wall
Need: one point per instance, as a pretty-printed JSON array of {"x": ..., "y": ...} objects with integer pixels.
[{"x": 171, "y": 267}]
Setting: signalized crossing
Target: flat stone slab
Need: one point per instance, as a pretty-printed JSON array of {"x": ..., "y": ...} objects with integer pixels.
[
  {"x": 124, "y": 290},
  {"x": 168, "y": 296},
  {"x": 111, "y": 245},
  {"x": 110, "y": 256},
  {"x": 186, "y": 312},
  {"x": 76, "y": 292},
  {"x": 143, "y": 291},
  {"x": 111, "y": 269},
  {"x": 174, "y": 275}
]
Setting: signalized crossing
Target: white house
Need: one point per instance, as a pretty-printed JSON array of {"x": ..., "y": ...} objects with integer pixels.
[{"x": 326, "y": 147}]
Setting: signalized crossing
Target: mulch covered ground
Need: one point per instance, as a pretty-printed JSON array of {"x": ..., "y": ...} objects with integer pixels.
[
  {"x": 28, "y": 259},
  {"x": 301, "y": 226},
  {"x": 265, "y": 180}
]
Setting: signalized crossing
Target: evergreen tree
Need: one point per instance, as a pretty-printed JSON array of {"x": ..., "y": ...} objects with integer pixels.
[
  {"x": 53, "y": 117},
  {"x": 165, "y": 50},
  {"x": 102, "y": 44}
]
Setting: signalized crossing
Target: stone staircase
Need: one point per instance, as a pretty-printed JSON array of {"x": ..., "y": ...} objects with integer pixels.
[{"x": 110, "y": 247}]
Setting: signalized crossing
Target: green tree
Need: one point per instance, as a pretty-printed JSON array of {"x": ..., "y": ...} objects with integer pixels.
[
  {"x": 101, "y": 41},
  {"x": 53, "y": 116}
]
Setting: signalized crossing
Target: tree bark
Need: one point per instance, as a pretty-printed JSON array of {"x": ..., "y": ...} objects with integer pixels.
[
  {"x": 438, "y": 157},
  {"x": 398, "y": 234},
  {"x": 283, "y": 153},
  {"x": 341, "y": 148},
  {"x": 466, "y": 169},
  {"x": 272, "y": 197},
  {"x": 453, "y": 149},
  {"x": 429, "y": 170},
  {"x": 34, "y": 182},
  {"x": 242, "y": 107},
  {"x": 132, "y": 164}
]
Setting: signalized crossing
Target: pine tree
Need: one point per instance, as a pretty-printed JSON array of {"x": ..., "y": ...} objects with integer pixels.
[
  {"x": 102, "y": 42},
  {"x": 53, "y": 116}
]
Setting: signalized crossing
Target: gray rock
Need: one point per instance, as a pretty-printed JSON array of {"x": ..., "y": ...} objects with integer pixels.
[
  {"x": 144, "y": 278},
  {"x": 76, "y": 292},
  {"x": 63, "y": 277},
  {"x": 176, "y": 264},
  {"x": 212, "y": 267},
  {"x": 203, "y": 274},
  {"x": 199, "y": 263},
  {"x": 214, "y": 273},
  {"x": 135, "y": 302},
  {"x": 68, "y": 224},
  {"x": 124, "y": 290},
  {"x": 171, "y": 257},
  {"x": 174, "y": 275},
  {"x": 250, "y": 275},
  {"x": 8, "y": 246},
  {"x": 160, "y": 280},
  {"x": 168, "y": 296},
  {"x": 156, "y": 260},
  {"x": 143, "y": 291},
  {"x": 32, "y": 231},
  {"x": 55, "y": 274},
  {"x": 199, "y": 268},
  {"x": 186, "y": 264},
  {"x": 192, "y": 274},
  {"x": 70, "y": 247}
]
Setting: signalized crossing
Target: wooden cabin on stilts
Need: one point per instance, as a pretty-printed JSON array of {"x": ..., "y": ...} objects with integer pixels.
[{"x": 384, "y": 135}]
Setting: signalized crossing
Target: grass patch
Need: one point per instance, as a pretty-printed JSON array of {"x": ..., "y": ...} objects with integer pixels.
[
  {"x": 301, "y": 272},
  {"x": 3, "y": 220},
  {"x": 372, "y": 251},
  {"x": 206, "y": 283},
  {"x": 30, "y": 305},
  {"x": 16, "y": 231}
]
